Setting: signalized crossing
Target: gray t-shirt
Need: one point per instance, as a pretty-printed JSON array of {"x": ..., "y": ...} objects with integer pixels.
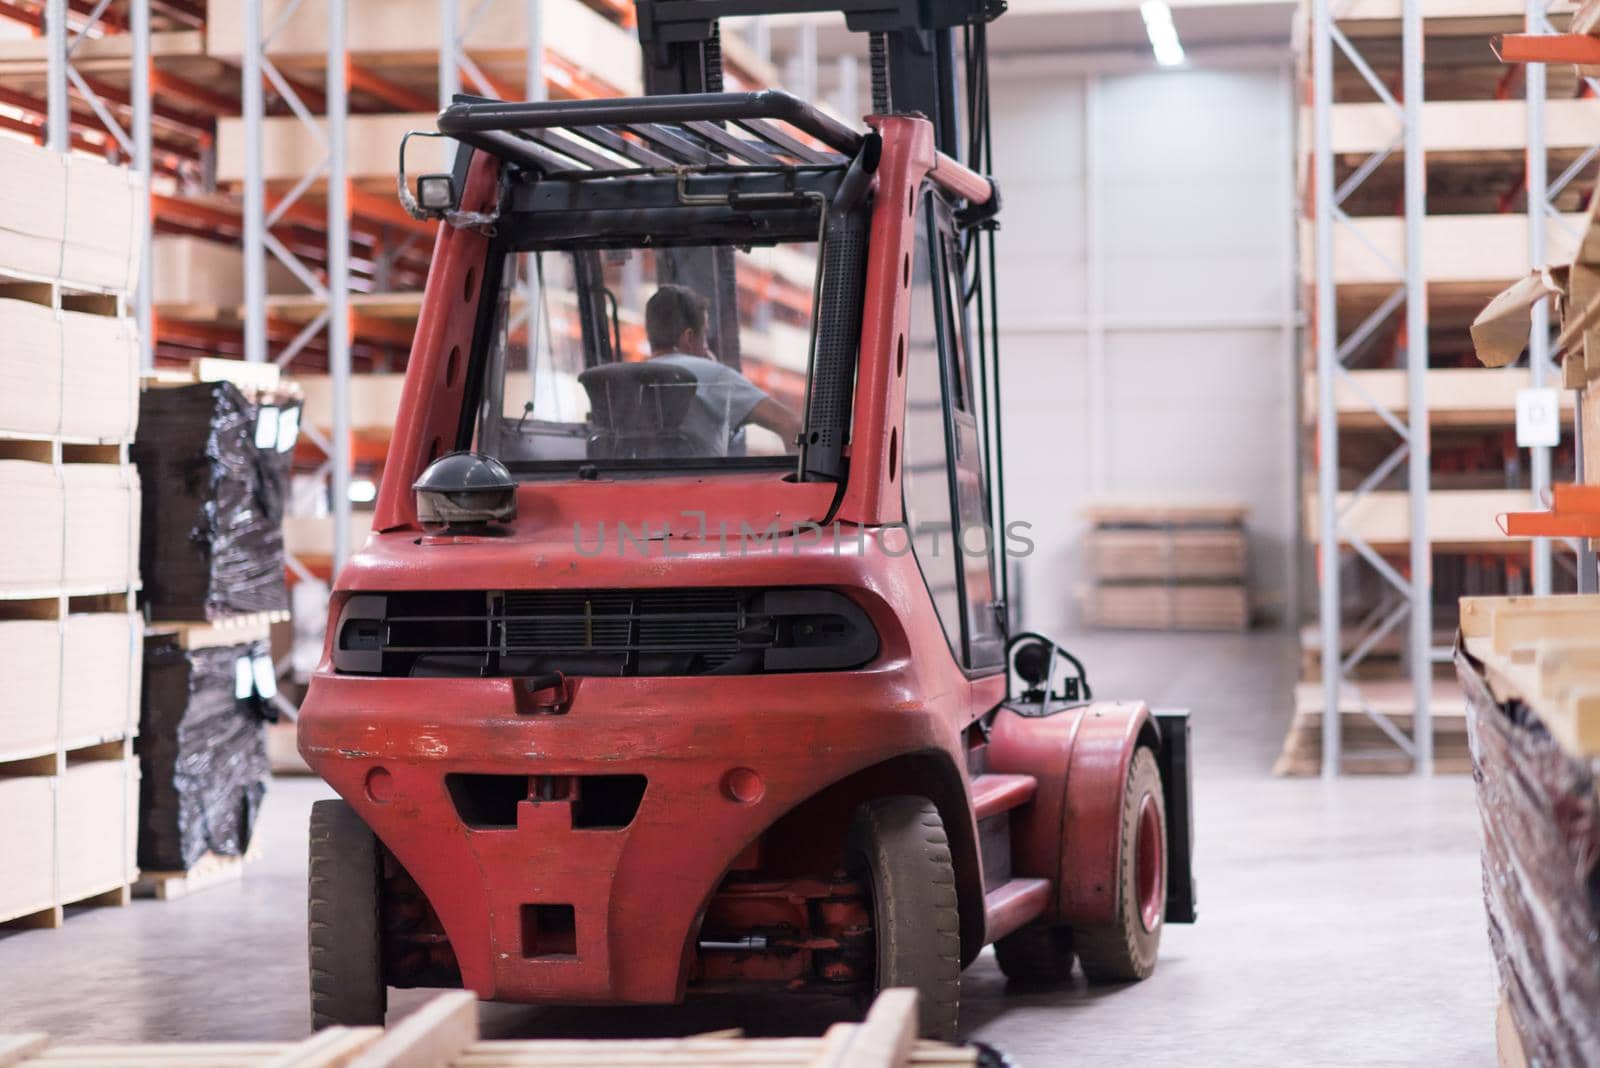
[{"x": 723, "y": 401}]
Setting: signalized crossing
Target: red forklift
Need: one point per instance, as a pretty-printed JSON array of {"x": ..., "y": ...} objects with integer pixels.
[{"x": 679, "y": 659}]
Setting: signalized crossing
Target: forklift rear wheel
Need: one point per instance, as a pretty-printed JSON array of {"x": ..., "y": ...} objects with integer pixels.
[
  {"x": 1126, "y": 950},
  {"x": 347, "y": 987},
  {"x": 898, "y": 846},
  {"x": 1039, "y": 954}
]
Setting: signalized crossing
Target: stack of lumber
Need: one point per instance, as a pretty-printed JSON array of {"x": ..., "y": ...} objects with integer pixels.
[
  {"x": 444, "y": 1034},
  {"x": 69, "y": 628},
  {"x": 1530, "y": 667},
  {"x": 1166, "y": 566}
]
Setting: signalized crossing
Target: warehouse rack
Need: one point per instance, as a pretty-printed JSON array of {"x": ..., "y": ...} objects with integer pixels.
[
  {"x": 217, "y": 103},
  {"x": 1446, "y": 137}
]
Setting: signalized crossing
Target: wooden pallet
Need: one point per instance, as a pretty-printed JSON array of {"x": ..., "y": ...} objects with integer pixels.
[
  {"x": 1365, "y": 748},
  {"x": 444, "y": 1034},
  {"x": 229, "y": 630},
  {"x": 210, "y": 870},
  {"x": 53, "y": 916}
]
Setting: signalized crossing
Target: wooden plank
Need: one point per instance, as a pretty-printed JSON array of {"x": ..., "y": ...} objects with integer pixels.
[
  {"x": 430, "y": 1036},
  {"x": 1545, "y": 651},
  {"x": 1478, "y": 613},
  {"x": 333, "y": 1048},
  {"x": 883, "y": 1040}
]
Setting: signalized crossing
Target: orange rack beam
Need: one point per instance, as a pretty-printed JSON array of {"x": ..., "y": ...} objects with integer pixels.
[
  {"x": 1574, "y": 513},
  {"x": 1579, "y": 48}
]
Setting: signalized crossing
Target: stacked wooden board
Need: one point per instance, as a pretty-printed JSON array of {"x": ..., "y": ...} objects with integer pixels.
[
  {"x": 69, "y": 630},
  {"x": 1531, "y": 669},
  {"x": 1166, "y": 566},
  {"x": 444, "y": 1034}
]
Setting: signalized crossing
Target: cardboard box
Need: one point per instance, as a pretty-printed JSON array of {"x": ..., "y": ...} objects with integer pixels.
[
  {"x": 30, "y": 539},
  {"x": 33, "y": 208},
  {"x": 411, "y": 29},
  {"x": 104, "y": 224},
  {"x": 30, "y": 366},
  {"x": 30, "y": 674},
  {"x": 101, "y": 503},
  {"x": 96, "y": 814},
  {"x": 28, "y": 843},
  {"x": 100, "y": 687},
  {"x": 201, "y": 274},
  {"x": 100, "y": 376}
]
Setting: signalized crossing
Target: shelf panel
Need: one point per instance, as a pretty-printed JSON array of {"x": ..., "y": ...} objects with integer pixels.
[
  {"x": 1456, "y": 397},
  {"x": 1465, "y": 126},
  {"x": 1486, "y": 250},
  {"x": 1458, "y": 520}
]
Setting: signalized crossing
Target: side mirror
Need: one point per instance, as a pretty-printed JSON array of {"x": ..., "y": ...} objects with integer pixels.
[{"x": 436, "y": 193}]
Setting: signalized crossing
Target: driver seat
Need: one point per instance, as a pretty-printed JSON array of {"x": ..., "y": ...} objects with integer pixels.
[{"x": 636, "y": 411}]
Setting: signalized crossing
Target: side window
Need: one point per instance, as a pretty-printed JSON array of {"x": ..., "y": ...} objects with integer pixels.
[
  {"x": 977, "y": 543},
  {"x": 925, "y": 464}
]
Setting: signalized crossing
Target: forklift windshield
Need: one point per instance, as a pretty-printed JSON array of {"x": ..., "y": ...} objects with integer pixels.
[{"x": 644, "y": 359}]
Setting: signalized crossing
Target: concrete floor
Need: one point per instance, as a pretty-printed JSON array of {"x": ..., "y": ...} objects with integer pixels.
[{"x": 1340, "y": 922}]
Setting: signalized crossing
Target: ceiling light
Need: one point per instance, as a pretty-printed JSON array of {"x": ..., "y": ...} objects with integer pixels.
[{"x": 1163, "y": 34}]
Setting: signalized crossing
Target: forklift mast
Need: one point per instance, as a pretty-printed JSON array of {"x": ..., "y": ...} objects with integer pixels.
[{"x": 912, "y": 45}]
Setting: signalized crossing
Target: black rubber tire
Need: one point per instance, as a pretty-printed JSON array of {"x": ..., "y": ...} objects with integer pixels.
[
  {"x": 898, "y": 847},
  {"x": 344, "y": 922},
  {"x": 1125, "y": 951},
  {"x": 1038, "y": 955}
]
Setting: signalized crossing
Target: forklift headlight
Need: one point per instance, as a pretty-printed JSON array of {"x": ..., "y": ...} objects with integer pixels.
[
  {"x": 464, "y": 492},
  {"x": 436, "y": 193}
]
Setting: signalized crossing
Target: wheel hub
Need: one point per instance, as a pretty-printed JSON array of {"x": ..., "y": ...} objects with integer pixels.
[{"x": 1150, "y": 875}]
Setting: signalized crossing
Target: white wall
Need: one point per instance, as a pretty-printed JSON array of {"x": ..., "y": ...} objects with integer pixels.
[{"x": 1146, "y": 304}]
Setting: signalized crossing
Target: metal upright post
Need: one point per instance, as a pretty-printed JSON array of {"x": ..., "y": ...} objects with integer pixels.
[
  {"x": 1326, "y": 327},
  {"x": 449, "y": 61},
  {"x": 1416, "y": 284},
  {"x": 1538, "y": 183},
  {"x": 338, "y": 283},
  {"x": 139, "y": 93},
  {"x": 58, "y": 119},
  {"x": 253, "y": 108},
  {"x": 533, "y": 13},
  {"x": 533, "y": 89}
]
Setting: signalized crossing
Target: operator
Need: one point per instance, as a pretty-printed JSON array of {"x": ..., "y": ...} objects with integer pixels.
[{"x": 724, "y": 400}]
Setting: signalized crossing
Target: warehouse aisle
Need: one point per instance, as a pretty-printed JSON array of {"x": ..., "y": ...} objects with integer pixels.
[{"x": 1340, "y": 922}]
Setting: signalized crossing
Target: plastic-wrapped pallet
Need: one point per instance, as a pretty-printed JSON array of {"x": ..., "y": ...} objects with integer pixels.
[
  {"x": 215, "y": 470},
  {"x": 202, "y": 750}
]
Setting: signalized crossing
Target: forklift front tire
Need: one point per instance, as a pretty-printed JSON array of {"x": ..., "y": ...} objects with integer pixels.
[
  {"x": 1125, "y": 950},
  {"x": 343, "y": 921},
  {"x": 899, "y": 848}
]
